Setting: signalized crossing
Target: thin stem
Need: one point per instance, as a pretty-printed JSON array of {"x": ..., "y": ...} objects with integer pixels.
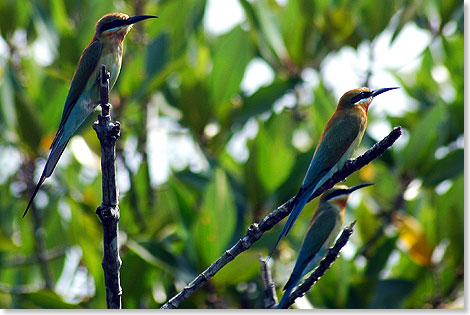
[{"x": 270, "y": 298}]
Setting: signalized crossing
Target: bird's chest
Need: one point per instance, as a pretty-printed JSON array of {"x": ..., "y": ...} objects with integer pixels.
[{"x": 113, "y": 59}]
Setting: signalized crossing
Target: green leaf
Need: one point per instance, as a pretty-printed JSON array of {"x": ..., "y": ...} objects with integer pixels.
[
  {"x": 59, "y": 14},
  {"x": 29, "y": 127},
  {"x": 46, "y": 299},
  {"x": 157, "y": 54},
  {"x": 447, "y": 9},
  {"x": 390, "y": 293},
  {"x": 376, "y": 15},
  {"x": 446, "y": 168},
  {"x": 216, "y": 220},
  {"x": 409, "y": 10},
  {"x": 153, "y": 253},
  {"x": 186, "y": 202},
  {"x": 232, "y": 52},
  {"x": 7, "y": 106},
  {"x": 13, "y": 15},
  {"x": 136, "y": 279},
  {"x": 366, "y": 222},
  {"x": 423, "y": 140},
  {"x": 331, "y": 291},
  {"x": 377, "y": 262},
  {"x": 320, "y": 112},
  {"x": 269, "y": 29},
  {"x": 274, "y": 154},
  {"x": 263, "y": 99},
  {"x": 293, "y": 33},
  {"x": 194, "y": 102},
  {"x": 243, "y": 268},
  {"x": 451, "y": 220},
  {"x": 338, "y": 24}
]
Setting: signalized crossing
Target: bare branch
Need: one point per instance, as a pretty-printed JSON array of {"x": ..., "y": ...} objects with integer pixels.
[
  {"x": 270, "y": 298},
  {"x": 255, "y": 231},
  {"x": 108, "y": 132}
]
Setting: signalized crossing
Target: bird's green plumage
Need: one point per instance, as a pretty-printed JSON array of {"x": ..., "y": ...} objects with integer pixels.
[
  {"x": 105, "y": 48},
  {"x": 337, "y": 139},
  {"x": 86, "y": 67},
  {"x": 322, "y": 226}
]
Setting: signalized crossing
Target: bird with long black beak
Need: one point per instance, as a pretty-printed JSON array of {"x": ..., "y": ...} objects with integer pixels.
[
  {"x": 322, "y": 232},
  {"x": 342, "y": 134},
  {"x": 105, "y": 48}
]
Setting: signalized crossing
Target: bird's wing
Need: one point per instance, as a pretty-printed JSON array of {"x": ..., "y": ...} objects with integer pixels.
[
  {"x": 336, "y": 140},
  {"x": 86, "y": 65},
  {"x": 317, "y": 234}
]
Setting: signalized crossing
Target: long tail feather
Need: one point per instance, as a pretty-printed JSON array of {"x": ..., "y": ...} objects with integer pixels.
[
  {"x": 51, "y": 163},
  {"x": 298, "y": 204},
  {"x": 286, "y": 296},
  {"x": 41, "y": 180}
]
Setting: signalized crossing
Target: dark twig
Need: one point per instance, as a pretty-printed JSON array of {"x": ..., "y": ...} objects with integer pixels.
[
  {"x": 255, "y": 231},
  {"x": 108, "y": 212},
  {"x": 104, "y": 91},
  {"x": 324, "y": 265},
  {"x": 270, "y": 298}
]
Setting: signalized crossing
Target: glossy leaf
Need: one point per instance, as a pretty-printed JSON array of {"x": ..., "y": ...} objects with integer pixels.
[
  {"x": 233, "y": 51},
  {"x": 215, "y": 224},
  {"x": 274, "y": 156},
  {"x": 444, "y": 169},
  {"x": 263, "y": 99}
]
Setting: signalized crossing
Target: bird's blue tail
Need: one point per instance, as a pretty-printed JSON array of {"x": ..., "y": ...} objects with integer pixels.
[
  {"x": 290, "y": 285},
  {"x": 285, "y": 297},
  {"x": 298, "y": 204}
]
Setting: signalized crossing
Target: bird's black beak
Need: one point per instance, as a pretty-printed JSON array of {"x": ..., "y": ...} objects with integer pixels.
[
  {"x": 354, "y": 188},
  {"x": 380, "y": 91},
  {"x": 344, "y": 192},
  {"x": 138, "y": 18}
]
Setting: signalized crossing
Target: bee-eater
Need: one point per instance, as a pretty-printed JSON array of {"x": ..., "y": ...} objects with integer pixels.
[
  {"x": 342, "y": 134},
  {"x": 105, "y": 48},
  {"x": 322, "y": 231}
]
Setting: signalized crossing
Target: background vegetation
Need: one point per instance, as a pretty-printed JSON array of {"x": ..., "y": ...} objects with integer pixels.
[{"x": 181, "y": 107}]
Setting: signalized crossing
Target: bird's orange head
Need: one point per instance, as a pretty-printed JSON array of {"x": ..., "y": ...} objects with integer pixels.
[
  {"x": 360, "y": 97},
  {"x": 114, "y": 26}
]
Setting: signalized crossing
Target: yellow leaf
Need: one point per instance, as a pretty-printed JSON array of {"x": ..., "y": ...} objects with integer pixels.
[
  {"x": 412, "y": 235},
  {"x": 367, "y": 173}
]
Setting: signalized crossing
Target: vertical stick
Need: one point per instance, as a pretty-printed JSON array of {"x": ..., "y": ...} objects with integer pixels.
[
  {"x": 108, "y": 132},
  {"x": 270, "y": 298}
]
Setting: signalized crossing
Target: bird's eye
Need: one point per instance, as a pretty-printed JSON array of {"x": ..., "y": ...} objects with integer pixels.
[
  {"x": 110, "y": 25},
  {"x": 360, "y": 97},
  {"x": 334, "y": 194}
]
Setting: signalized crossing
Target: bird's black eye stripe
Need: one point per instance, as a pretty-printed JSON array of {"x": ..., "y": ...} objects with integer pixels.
[
  {"x": 112, "y": 24},
  {"x": 360, "y": 96},
  {"x": 335, "y": 193}
]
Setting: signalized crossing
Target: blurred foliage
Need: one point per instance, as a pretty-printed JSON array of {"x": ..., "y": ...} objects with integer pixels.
[{"x": 181, "y": 84}]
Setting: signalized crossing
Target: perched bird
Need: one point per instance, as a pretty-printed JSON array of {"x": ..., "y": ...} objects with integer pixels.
[
  {"x": 105, "y": 48},
  {"x": 322, "y": 231},
  {"x": 342, "y": 134}
]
